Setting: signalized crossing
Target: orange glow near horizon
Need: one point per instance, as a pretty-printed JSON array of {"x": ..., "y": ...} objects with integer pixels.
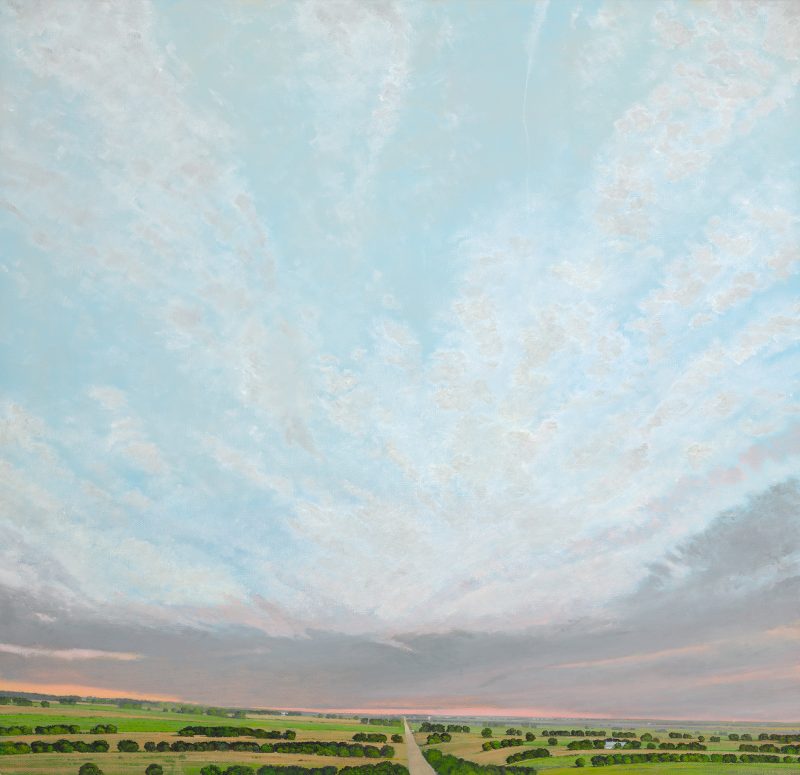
[
  {"x": 81, "y": 690},
  {"x": 479, "y": 711}
]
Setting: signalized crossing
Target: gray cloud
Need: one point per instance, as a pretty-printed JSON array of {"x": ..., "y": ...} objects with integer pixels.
[{"x": 715, "y": 625}]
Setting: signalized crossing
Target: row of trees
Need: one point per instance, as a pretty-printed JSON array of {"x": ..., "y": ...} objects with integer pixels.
[
  {"x": 232, "y": 731},
  {"x": 530, "y": 753},
  {"x": 103, "y": 729},
  {"x": 69, "y": 746},
  {"x": 56, "y": 729},
  {"x": 369, "y": 737},
  {"x": 382, "y": 768},
  {"x": 314, "y": 747},
  {"x": 718, "y": 758},
  {"x": 16, "y": 729},
  {"x": 59, "y": 746},
  {"x": 381, "y": 722},
  {"x": 582, "y": 745},
  {"x": 769, "y": 748},
  {"x": 427, "y": 726},
  {"x": 444, "y": 764},
  {"x": 92, "y": 769},
  {"x": 776, "y": 738},
  {"x": 573, "y": 733},
  {"x": 507, "y": 742}
]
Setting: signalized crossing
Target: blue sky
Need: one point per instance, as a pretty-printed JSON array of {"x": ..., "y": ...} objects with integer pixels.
[{"x": 391, "y": 320}]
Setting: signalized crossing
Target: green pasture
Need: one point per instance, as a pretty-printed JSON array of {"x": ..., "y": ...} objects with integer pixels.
[
  {"x": 668, "y": 768},
  {"x": 137, "y": 720}
]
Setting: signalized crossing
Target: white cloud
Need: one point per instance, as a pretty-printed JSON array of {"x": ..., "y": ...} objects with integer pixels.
[{"x": 68, "y": 655}]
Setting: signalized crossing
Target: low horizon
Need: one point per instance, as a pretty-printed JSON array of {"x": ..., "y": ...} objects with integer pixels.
[{"x": 533, "y": 714}]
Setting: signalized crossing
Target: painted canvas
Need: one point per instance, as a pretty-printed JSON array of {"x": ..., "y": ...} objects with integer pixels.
[{"x": 397, "y": 386}]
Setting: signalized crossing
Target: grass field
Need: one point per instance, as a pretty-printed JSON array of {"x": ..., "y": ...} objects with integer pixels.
[
  {"x": 562, "y": 760},
  {"x": 155, "y": 725},
  {"x": 694, "y": 768},
  {"x": 128, "y": 720}
]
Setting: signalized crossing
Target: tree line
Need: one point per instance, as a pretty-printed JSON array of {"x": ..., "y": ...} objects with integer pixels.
[
  {"x": 573, "y": 733},
  {"x": 11, "y": 748},
  {"x": 769, "y": 748},
  {"x": 59, "y": 746},
  {"x": 719, "y": 758},
  {"x": 57, "y": 729},
  {"x": 382, "y": 768},
  {"x": 369, "y": 737},
  {"x": 427, "y": 726},
  {"x": 506, "y": 742},
  {"x": 445, "y": 764},
  {"x": 530, "y": 753},
  {"x": 582, "y": 745},
  {"x": 230, "y": 731},
  {"x": 776, "y": 738},
  {"x": 315, "y": 747}
]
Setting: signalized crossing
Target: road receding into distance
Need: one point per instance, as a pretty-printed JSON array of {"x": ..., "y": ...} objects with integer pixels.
[{"x": 416, "y": 761}]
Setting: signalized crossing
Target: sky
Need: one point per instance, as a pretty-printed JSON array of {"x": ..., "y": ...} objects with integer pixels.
[{"x": 402, "y": 354}]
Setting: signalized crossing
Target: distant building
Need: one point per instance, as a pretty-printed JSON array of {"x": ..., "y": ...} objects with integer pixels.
[{"x": 613, "y": 742}]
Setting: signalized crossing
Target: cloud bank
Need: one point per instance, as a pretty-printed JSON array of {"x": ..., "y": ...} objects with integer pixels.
[{"x": 320, "y": 362}]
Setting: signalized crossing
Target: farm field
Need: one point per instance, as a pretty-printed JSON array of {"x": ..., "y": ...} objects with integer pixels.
[
  {"x": 562, "y": 760},
  {"x": 143, "y": 726},
  {"x": 140, "y": 720}
]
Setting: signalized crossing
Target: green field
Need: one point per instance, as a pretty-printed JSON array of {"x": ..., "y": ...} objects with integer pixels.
[
  {"x": 676, "y": 767},
  {"x": 561, "y": 761},
  {"x": 142, "y": 725},
  {"x": 156, "y": 721}
]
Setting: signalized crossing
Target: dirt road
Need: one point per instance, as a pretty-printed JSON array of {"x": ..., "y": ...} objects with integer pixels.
[{"x": 416, "y": 761}]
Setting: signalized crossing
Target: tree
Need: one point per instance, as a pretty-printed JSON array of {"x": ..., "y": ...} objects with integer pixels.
[
  {"x": 45, "y": 704},
  {"x": 397, "y": 738},
  {"x": 154, "y": 769},
  {"x": 580, "y": 762},
  {"x": 552, "y": 741},
  {"x": 486, "y": 732},
  {"x": 529, "y": 736},
  {"x": 210, "y": 769},
  {"x": 127, "y": 746},
  {"x": 89, "y": 769}
]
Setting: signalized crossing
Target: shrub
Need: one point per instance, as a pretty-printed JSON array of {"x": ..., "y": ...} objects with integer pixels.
[
  {"x": 103, "y": 729},
  {"x": 154, "y": 769},
  {"x": 14, "y": 748},
  {"x": 127, "y": 746},
  {"x": 89, "y": 769}
]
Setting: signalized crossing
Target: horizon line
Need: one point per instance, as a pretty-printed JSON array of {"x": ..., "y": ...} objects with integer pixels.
[{"x": 468, "y": 711}]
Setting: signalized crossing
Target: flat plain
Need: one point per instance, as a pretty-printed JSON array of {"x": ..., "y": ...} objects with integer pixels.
[{"x": 142, "y": 725}]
